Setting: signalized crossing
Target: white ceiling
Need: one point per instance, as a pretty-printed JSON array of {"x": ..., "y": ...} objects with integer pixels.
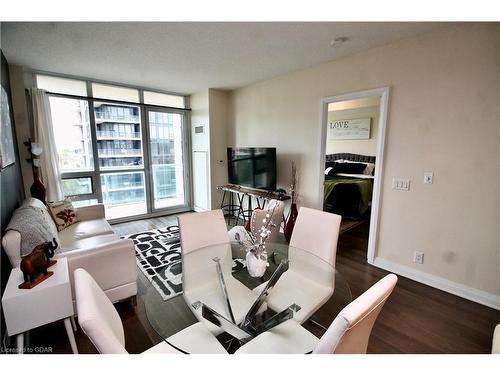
[{"x": 189, "y": 57}]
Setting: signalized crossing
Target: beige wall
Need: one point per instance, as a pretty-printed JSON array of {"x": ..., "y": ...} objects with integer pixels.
[
  {"x": 209, "y": 108},
  {"x": 355, "y": 146},
  {"x": 444, "y": 117},
  {"x": 219, "y": 103}
]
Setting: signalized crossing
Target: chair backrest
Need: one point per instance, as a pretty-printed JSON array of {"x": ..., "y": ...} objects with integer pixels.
[
  {"x": 350, "y": 331},
  {"x": 200, "y": 229},
  {"x": 317, "y": 232},
  {"x": 97, "y": 316},
  {"x": 276, "y": 217},
  {"x": 495, "y": 346}
]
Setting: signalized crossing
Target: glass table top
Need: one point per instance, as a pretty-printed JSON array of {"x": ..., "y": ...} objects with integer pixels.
[{"x": 168, "y": 317}]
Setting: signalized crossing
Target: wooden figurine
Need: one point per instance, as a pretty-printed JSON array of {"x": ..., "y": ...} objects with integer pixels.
[{"x": 34, "y": 265}]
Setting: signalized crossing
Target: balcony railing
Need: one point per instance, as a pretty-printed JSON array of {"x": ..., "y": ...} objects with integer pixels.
[
  {"x": 117, "y": 134},
  {"x": 119, "y": 152},
  {"x": 115, "y": 117}
]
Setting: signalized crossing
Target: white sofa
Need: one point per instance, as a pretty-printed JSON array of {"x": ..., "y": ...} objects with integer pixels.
[{"x": 92, "y": 245}]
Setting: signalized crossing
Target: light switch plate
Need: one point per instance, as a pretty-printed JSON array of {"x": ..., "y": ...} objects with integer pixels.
[
  {"x": 428, "y": 177},
  {"x": 401, "y": 183}
]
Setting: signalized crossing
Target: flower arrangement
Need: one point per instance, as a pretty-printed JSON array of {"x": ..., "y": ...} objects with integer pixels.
[{"x": 258, "y": 237}]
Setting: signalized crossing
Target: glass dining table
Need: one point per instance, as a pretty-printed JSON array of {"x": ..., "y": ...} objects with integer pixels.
[{"x": 168, "y": 317}]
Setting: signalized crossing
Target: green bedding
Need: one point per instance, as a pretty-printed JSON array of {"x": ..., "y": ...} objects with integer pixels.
[{"x": 365, "y": 187}]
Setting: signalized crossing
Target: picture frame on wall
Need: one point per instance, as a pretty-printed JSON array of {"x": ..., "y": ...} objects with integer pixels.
[
  {"x": 350, "y": 129},
  {"x": 7, "y": 153}
]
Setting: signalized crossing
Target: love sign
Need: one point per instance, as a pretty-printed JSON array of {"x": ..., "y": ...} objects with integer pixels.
[{"x": 349, "y": 129}]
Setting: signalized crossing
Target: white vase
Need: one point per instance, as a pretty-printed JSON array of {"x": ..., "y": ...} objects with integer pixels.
[{"x": 256, "y": 266}]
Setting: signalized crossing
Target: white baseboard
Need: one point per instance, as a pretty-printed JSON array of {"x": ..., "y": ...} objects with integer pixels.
[{"x": 476, "y": 295}]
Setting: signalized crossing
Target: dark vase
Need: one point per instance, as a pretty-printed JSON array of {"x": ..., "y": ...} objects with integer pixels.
[
  {"x": 292, "y": 217},
  {"x": 37, "y": 190}
]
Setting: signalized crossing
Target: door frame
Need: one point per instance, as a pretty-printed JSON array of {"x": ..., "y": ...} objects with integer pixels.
[{"x": 383, "y": 93}]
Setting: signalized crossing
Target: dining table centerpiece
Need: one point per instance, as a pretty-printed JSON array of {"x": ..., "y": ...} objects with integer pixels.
[{"x": 256, "y": 258}]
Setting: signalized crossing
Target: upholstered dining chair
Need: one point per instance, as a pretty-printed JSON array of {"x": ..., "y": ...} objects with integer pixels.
[
  {"x": 349, "y": 333},
  {"x": 100, "y": 321},
  {"x": 204, "y": 237},
  {"x": 275, "y": 209},
  {"x": 316, "y": 233},
  {"x": 495, "y": 346}
]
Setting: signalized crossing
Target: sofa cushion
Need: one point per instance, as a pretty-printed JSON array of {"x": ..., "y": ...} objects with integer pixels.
[
  {"x": 84, "y": 229},
  {"x": 88, "y": 243},
  {"x": 63, "y": 213}
]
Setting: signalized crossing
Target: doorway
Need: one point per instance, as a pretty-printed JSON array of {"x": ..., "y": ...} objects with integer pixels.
[{"x": 351, "y": 160}]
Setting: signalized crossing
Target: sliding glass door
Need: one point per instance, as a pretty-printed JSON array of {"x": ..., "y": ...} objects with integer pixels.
[
  {"x": 168, "y": 159},
  {"x": 121, "y": 159}
]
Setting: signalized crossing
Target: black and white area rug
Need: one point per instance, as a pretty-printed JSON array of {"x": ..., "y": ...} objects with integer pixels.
[{"x": 158, "y": 255}]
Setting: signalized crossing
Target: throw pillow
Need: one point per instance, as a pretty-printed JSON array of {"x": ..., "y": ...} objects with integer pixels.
[
  {"x": 370, "y": 167},
  {"x": 63, "y": 213},
  {"x": 349, "y": 168}
]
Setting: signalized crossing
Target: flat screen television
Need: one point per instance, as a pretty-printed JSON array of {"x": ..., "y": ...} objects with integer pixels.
[{"x": 253, "y": 167}]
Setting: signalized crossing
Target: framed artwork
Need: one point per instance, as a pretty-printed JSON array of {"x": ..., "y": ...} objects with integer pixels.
[
  {"x": 350, "y": 129},
  {"x": 7, "y": 154}
]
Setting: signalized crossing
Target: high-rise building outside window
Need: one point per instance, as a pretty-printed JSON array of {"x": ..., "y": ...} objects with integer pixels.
[{"x": 102, "y": 154}]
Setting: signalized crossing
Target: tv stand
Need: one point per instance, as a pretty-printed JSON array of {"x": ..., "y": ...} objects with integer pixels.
[{"x": 236, "y": 207}]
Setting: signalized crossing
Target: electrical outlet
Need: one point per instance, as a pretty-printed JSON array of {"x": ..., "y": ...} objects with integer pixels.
[
  {"x": 428, "y": 177},
  {"x": 418, "y": 257},
  {"x": 401, "y": 183}
]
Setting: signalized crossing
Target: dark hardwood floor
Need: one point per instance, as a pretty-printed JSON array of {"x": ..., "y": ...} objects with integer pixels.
[{"x": 416, "y": 319}]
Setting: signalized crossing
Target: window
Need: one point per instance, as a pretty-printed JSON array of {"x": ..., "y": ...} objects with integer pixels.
[
  {"x": 115, "y": 93},
  {"x": 102, "y": 155},
  {"x": 61, "y": 85},
  {"x": 166, "y": 151},
  {"x": 77, "y": 186},
  {"x": 156, "y": 98},
  {"x": 70, "y": 120},
  {"x": 118, "y": 132},
  {"x": 123, "y": 194}
]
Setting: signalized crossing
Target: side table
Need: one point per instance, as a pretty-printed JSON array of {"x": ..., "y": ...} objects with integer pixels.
[{"x": 48, "y": 302}]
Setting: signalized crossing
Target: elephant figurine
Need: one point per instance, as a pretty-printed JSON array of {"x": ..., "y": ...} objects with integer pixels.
[{"x": 36, "y": 263}]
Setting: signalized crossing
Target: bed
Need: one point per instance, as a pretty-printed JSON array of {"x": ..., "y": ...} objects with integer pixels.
[{"x": 348, "y": 186}]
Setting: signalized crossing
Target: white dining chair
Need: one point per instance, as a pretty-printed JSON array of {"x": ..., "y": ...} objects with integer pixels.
[
  {"x": 495, "y": 346},
  {"x": 100, "y": 321},
  {"x": 204, "y": 237},
  {"x": 275, "y": 209},
  {"x": 349, "y": 333},
  {"x": 307, "y": 283}
]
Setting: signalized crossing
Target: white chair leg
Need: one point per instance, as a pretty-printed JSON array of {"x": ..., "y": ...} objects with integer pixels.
[
  {"x": 20, "y": 343},
  {"x": 71, "y": 336},
  {"x": 73, "y": 323}
]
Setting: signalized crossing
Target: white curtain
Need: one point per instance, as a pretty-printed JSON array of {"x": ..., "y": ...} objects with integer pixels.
[{"x": 44, "y": 135}]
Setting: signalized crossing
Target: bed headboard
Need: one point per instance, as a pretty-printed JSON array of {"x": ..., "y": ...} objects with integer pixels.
[{"x": 351, "y": 157}]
